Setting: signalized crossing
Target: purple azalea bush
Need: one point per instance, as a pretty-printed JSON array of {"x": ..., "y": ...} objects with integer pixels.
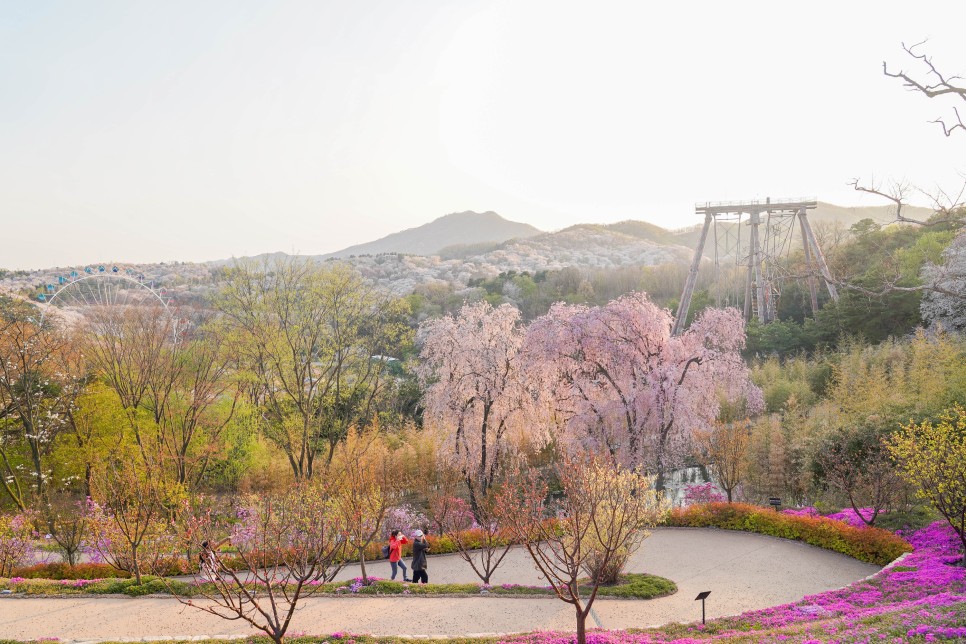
[
  {"x": 697, "y": 493},
  {"x": 405, "y": 518},
  {"x": 245, "y": 528},
  {"x": 16, "y": 542}
]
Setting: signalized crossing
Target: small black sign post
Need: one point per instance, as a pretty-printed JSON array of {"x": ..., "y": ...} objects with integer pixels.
[
  {"x": 775, "y": 502},
  {"x": 702, "y": 597}
]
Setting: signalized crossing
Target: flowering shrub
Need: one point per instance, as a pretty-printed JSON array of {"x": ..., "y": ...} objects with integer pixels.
[
  {"x": 110, "y": 541},
  {"x": 89, "y": 552},
  {"x": 60, "y": 570},
  {"x": 702, "y": 493},
  {"x": 16, "y": 542},
  {"x": 405, "y": 518},
  {"x": 245, "y": 528},
  {"x": 451, "y": 513},
  {"x": 873, "y": 545}
]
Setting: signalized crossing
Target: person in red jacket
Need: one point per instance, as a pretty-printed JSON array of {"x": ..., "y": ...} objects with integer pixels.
[{"x": 396, "y": 542}]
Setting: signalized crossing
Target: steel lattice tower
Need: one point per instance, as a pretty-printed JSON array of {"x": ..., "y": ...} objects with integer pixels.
[{"x": 771, "y": 230}]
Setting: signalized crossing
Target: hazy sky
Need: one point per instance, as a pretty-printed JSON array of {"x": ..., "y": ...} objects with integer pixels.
[{"x": 147, "y": 131}]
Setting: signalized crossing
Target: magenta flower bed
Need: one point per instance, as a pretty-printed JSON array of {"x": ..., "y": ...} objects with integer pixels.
[
  {"x": 846, "y": 515},
  {"x": 922, "y": 598}
]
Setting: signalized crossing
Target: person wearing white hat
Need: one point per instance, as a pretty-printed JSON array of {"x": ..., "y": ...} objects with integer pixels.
[{"x": 420, "y": 548}]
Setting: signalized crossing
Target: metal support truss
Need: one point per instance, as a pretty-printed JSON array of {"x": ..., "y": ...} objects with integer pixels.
[{"x": 770, "y": 238}]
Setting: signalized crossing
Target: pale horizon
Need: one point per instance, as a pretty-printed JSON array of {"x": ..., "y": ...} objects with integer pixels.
[{"x": 184, "y": 132}]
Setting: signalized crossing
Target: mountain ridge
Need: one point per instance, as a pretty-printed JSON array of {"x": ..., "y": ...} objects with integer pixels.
[
  {"x": 458, "y": 254},
  {"x": 457, "y": 228},
  {"x": 464, "y": 234}
]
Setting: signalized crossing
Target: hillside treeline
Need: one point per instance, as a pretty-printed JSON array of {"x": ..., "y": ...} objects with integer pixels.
[
  {"x": 880, "y": 271},
  {"x": 827, "y": 417}
]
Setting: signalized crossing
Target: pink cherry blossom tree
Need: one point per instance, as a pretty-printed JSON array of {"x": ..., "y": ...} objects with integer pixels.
[
  {"x": 473, "y": 386},
  {"x": 620, "y": 381}
]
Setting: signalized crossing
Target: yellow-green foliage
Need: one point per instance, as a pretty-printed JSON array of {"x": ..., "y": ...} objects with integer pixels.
[
  {"x": 798, "y": 377},
  {"x": 861, "y": 388},
  {"x": 932, "y": 456},
  {"x": 915, "y": 377}
]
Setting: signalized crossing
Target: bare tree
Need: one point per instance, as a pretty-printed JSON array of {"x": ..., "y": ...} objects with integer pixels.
[
  {"x": 948, "y": 205},
  {"x": 932, "y": 83},
  {"x": 287, "y": 545},
  {"x": 935, "y": 279},
  {"x": 204, "y": 397},
  {"x": 368, "y": 484},
  {"x": 859, "y": 469},
  {"x": 485, "y": 545},
  {"x": 897, "y": 192},
  {"x": 444, "y": 507},
  {"x": 601, "y": 517},
  {"x": 132, "y": 350},
  {"x": 945, "y": 204},
  {"x": 127, "y": 515},
  {"x": 68, "y": 524}
]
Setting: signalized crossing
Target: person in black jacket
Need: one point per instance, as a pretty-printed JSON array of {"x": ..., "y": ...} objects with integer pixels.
[{"x": 420, "y": 548}]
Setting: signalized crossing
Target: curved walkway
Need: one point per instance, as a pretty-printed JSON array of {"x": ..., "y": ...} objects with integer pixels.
[{"x": 743, "y": 572}]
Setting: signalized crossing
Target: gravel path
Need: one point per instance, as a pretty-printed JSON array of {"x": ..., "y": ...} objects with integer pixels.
[{"x": 743, "y": 572}]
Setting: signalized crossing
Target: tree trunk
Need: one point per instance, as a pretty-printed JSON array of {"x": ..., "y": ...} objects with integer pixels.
[
  {"x": 581, "y": 627},
  {"x": 88, "y": 473},
  {"x": 362, "y": 563},
  {"x": 134, "y": 564}
]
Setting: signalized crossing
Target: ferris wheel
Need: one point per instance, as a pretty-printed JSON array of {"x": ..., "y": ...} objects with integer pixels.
[{"x": 94, "y": 290}]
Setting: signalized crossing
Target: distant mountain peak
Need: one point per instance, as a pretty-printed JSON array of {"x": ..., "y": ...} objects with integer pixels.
[
  {"x": 471, "y": 214},
  {"x": 467, "y": 228}
]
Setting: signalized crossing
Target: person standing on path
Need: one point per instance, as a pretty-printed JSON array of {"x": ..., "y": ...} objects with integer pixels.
[
  {"x": 420, "y": 548},
  {"x": 396, "y": 542},
  {"x": 208, "y": 558}
]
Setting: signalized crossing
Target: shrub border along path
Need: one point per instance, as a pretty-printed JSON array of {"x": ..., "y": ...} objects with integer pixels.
[
  {"x": 872, "y": 545},
  {"x": 634, "y": 586}
]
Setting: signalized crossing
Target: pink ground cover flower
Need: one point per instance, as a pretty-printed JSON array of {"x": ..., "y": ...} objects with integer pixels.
[
  {"x": 921, "y": 597},
  {"x": 926, "y": 578},
  {"x": 846, "y": 515},
  {"x": 807, "y": 511}
]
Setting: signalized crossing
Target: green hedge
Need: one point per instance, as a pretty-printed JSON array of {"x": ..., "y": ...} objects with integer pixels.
[{"x": 633, "y": 586}]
